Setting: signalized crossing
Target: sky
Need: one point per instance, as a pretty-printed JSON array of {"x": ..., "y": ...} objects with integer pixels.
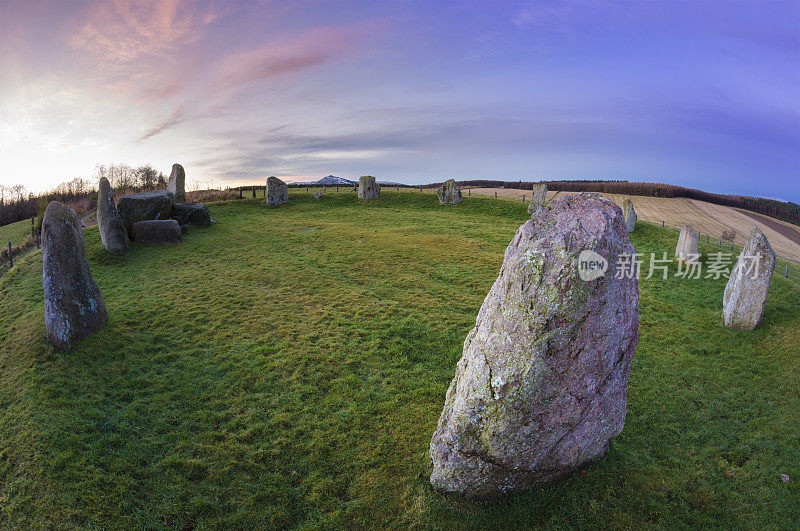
[{"x": 698, "y": 93}]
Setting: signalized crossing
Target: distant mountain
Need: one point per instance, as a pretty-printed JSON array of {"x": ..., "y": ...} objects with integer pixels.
[{"x": 331, "y": 180}]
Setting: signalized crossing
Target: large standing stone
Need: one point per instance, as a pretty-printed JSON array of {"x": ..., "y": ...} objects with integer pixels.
[
  {"x": 538, "y": 198},
  {"x": 686, "y": 250},
  {"x": 630, "y": 214},
  {"x": 73, "y": 305},
  {"x": 191, "y": 214},
  {"x": 277, "y": 192},
  {"x": 748, "y": 285},
  {"x": 112, "y": 230},
  {"x": 449, "y": 193},
  {"x": 368, "y": 188},
  {"x": 148, "y": 205},
  {"x": 541, "y": 387},
  {"x": 157, "y": 231},
  {"x": 177, "y": 183}
]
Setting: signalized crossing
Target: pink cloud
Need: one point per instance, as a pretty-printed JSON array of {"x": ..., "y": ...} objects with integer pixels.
[
  {"x": 127, "y": 30},
  {"x": 272, "y": 60},
  {"x": 179, "y": 115},
  {"x": 278, "y": 58}
]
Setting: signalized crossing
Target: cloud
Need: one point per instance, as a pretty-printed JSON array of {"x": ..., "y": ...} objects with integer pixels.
[
  {"x": 272, "y": 60},
  {"x": 127, "y": 30},
  {"x": 178, "y": 116}
]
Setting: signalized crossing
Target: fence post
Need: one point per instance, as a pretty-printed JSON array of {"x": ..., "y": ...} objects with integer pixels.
[
  {"x": 10, "y": 256},
  {"x": 337, "y": 188},
  {"x": 240, "y": 192},
  {"x": 254, "y": 192},
  {"x": 523, "y": 199},
  {"x": 708, "y": 239},
  {"x": 662, "y": 224},
  {"x": 469, "y": 192},
  {"x": 420, "y": 188},
  {"x": 495, "y": 195},
  {"x": 37, "y": 240},
  {"x": 787, "y": 270},
  {"x": 720, "y": 243}
]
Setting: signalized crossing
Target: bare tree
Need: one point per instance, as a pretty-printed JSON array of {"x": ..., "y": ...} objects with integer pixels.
[
  {"x": 147, "y": 176},
  {"x": 18, "y": 190}
]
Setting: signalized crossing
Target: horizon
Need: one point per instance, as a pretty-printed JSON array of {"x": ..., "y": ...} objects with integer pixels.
[{"x": 701, "y": 95}]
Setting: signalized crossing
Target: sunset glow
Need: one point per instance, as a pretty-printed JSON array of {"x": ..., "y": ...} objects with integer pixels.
[{"x": 701, "y": 94}]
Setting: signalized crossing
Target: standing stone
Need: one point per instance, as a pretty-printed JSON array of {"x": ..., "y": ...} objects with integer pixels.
[
  {"x": 541, "y": 387},
  {"x": 133, "y": 208},
  {"x": 73, "y": 305},
  {"x": 368, "y": 188},
  {"x": 191, "y": 214},
  {"x": 277, "y": 192},
  {"x": 748, "y": 285},
  {"x": 538, "y": 198},
  {"x": 630, "y": 214},
  {"x": 177, "y": 183},
  {"x": 156, "y": 231},
  {"x": 449, "y": 193},
  {"x": 686, "y": 250},
  {"x": 112, "y": 230}
]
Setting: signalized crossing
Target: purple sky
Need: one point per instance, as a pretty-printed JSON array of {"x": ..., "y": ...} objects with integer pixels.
[{"x": 698, "y": 93}]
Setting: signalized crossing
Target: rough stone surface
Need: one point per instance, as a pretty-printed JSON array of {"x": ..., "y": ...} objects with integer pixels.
[
  {"x": 194, "y": 214},
  {"x": 318, "y": 195},
  {"x": 112, "y": 230},
  {"x": 133, "y": 208},
  {"x": 277, "y": 192},
  {"x": 368, "y": 188},
  {"x": 686, "y": 250},
  {"x": 541, "y": 387},
  {"x": 747, "y": 288},
  {"x": 784, "y": 478},
  {"x": 538, "y": 197},
  {"x": 630, "y": 214},
  {"x": 73, "y": 305},
  {"x": 157, "y": 231},
  {"x": 449, "y": 193},
  {"x": 177, "y": 183}
]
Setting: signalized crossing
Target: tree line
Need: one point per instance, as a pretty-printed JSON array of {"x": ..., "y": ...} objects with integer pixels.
[
  {"x": 80, "y": 194},
  {"x": 786, "y": 211}
]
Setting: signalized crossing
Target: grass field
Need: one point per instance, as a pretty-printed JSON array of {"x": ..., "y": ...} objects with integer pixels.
[
  {"x": 15, "y": 232},
  {"x": 265, "y": 374}
]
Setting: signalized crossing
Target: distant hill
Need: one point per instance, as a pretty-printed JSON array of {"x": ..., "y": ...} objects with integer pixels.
[{"x": 330, "y": 180}]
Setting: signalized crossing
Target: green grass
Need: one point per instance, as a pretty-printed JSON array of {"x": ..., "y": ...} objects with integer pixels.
[
  {"x": 15, "y": 232},
  {"x": 262, "y": 375}
]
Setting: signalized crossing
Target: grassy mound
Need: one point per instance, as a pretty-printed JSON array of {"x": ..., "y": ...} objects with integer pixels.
[
  {"x": 15, "y": 232},
  {"x": 262, "y": 373}
]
